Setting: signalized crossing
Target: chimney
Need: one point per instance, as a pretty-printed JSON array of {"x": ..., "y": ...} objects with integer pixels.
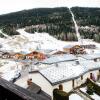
[
  {"x": 61, "y": 87},
  {"x": 29, "y": 81}
]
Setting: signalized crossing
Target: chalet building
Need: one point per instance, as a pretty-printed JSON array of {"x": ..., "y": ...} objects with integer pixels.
[
  {"x": 29, "y": 56},
  {"x": 18, "y": 56},
  {"x": 90, "y": 46},
  {"x": 35, "y": 55},
  {"x": 6, "y": 55},
  {"x": 67, "y": 48},
  {"x": 1, "y": 53},
  {"x": 74, "y": 49}
]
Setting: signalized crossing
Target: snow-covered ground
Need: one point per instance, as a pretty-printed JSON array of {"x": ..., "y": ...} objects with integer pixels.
[
  {"x": 75, "y": 97},
  {"x": 41, "y": 41},
  {"x": 27, "y": 42},
  {"x": 9, "y": 69}
]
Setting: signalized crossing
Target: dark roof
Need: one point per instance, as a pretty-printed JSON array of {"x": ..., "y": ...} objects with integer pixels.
[
  {"x": 6, "y": 53},
  {"x": 34, "y": 88},
  {"x": 19, "y": 91}
]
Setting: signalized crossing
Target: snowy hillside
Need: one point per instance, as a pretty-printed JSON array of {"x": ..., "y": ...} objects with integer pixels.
[{"x": 28, "y": 42}]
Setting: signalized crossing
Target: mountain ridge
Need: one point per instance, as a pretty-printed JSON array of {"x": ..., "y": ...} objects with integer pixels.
[{"x": 58, "y": 22}]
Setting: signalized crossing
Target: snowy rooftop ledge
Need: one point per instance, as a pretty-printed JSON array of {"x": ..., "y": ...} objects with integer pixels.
[
  {"x": 59, "y": 58},
  {"x": 92, "y": 56}
]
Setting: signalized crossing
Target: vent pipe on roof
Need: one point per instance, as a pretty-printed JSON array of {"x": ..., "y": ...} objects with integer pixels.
[
  {"x": 56, "y": 64},
  {"x": 77, "y": 62}
]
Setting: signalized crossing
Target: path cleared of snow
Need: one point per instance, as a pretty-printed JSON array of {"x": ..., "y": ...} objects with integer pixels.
[{"x": 76, "y": 26}]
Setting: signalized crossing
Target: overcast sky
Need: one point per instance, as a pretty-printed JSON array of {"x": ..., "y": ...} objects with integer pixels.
[{"x": 7, "y": 6}]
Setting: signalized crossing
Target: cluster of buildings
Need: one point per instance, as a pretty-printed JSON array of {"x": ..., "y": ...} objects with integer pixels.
[
  {"x": 69, "y": 49},
  {"x": 59, "y": 66},
  {"x": 32, "y": 55}
]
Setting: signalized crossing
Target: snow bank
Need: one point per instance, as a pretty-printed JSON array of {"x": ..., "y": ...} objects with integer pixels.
[
  {"x": 75, "y": 97},
  {"x": 10, "y": 70}
]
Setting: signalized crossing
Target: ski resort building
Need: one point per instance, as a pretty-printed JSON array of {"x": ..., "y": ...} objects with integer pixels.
[
  {"x": 74, "y": 49},
  {"x": 35, "y": 54}
]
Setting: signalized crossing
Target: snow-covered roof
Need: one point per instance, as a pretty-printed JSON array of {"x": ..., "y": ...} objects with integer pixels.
[
  {"x": 61, "y": 73},
  {"x": 69, "y": 46},
  {"x": 66, "y": 71},
  {"x": 90, "y": 65},
  {"x": 59, "y": 58},
  {"x": 91, "y": 56},
  {"x": 55, "y": 51},
  {"x": 45, "y": 51}
]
